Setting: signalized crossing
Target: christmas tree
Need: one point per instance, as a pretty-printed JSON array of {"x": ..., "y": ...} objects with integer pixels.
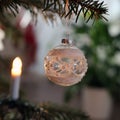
[{"x": 22, "y": 110}]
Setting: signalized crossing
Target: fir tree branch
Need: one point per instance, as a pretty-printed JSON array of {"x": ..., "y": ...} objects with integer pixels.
[
  {"x": 23, "y": 110},
  {"x": 95, "y": 8}
]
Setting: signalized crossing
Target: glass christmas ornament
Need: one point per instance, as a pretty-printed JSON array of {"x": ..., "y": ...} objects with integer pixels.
[{"x": 65, "y": 65}]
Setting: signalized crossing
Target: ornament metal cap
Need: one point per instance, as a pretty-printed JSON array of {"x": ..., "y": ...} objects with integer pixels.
[{"x": 66, "y": 41}]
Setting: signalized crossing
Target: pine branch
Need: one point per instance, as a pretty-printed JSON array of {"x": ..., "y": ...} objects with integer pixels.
[
  {"x": 94, "y": 8},
  {"x": 23, "y": 110}
]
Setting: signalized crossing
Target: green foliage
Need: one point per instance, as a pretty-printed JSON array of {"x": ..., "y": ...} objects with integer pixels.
[
  {"x": 23, "y": 110},
  {"x": 102, "y": 72},
  {"x": 95, "y": 9},
  {"x": 100, "y": 53}
]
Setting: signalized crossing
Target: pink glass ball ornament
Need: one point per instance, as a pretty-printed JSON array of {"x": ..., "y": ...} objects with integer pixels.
[{"x": 65, "y": 65}]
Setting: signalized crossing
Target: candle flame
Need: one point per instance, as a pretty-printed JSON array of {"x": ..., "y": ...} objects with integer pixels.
[{"x": 16, "y": 67}]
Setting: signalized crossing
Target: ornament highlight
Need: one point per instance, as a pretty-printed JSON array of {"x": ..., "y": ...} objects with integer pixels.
[{"x": 65, "y": 65}]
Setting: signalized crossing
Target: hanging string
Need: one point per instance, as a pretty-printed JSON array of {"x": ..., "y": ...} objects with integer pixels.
[
  {"x": 67, "y": 18},
  {"x": 67, "y": 6}
]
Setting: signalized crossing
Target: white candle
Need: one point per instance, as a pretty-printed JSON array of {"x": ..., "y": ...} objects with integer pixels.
[{"x": 16, "y": 75}]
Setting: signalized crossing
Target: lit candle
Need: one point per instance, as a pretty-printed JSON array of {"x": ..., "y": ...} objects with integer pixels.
[{"x": 16, "y": 74}]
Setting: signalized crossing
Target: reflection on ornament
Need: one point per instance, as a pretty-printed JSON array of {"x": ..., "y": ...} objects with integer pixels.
[{"x": 65, "y": 65}]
